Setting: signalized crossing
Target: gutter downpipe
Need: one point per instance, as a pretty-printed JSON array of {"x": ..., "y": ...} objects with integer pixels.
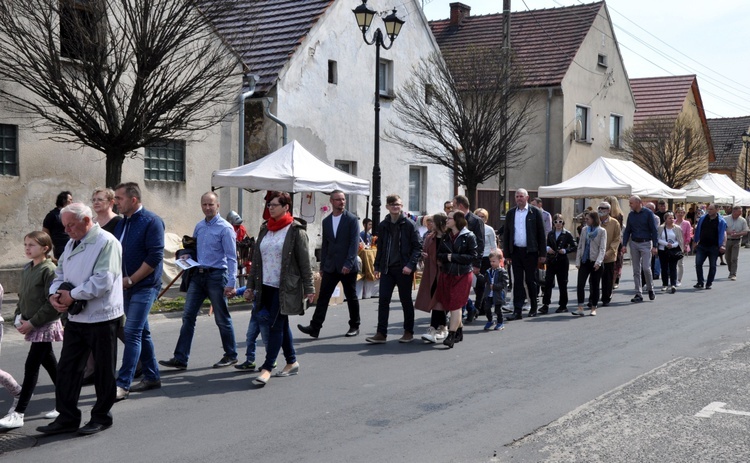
[
  {"x": 250, "y": 80},
  {"x": 548, "y": 137},
  {"x": 268, "y": 101}
]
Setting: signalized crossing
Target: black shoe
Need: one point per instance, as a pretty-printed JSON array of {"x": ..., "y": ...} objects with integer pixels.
[
  {"x": 513, "y": 317},
  {"x": 651, "y": 296},
  {"x": 708, "y": 286},
  {"x": 351, "y": 333},
  {"x": 561, "y": 309},
  {"x": 470, "y": 315},
  {"x": 56, "y": 428},
  {"x": 460, "y": 334},
  {"x": 450, "y": 339},
  {"x": 138, "y": 373},
  {"x": 93, "y": 428},
  {"x": 225, "y": 362},
  {"x": 145, "y": 385},
  {"x": 173, "y": 363},
  {"x": 544, "y": 310},
  {"x": 309, "y": 330},
  {"x": 637, "y": 298},
  {"x": 532, "y": 314},
  {"x": 605, "y": 304},
  {"x": 698, "y": 286}
]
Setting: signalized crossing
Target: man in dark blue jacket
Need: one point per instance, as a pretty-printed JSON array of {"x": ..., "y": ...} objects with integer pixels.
[
  {"x": 141, "y": 234},
  {"x": 338, "y": 263},
  {"x": 399, "y": 249}
]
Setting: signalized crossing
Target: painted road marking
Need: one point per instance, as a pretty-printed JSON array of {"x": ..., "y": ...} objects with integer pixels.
[{"x": 718, "y": 407}]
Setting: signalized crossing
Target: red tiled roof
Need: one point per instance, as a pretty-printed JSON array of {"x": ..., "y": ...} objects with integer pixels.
[
  {"x": 660, "y": 96},
  {"x": 544, "y": 41},
  {"x": 726, "y": 134},
  {"x": 265, "y": 33}
]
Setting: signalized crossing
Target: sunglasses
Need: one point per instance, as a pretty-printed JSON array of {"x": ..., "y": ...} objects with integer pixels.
[{"x": 603, "y": 208}]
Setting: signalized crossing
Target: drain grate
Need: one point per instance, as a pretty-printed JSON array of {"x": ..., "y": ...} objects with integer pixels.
[{"x": 11, "y": 441}]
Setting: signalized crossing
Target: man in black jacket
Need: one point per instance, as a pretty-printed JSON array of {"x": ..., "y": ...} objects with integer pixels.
[
  {"x": 399, "y": 249},
  {"x": 524, "y": 244},
  {"x": 338, "y": 263}
]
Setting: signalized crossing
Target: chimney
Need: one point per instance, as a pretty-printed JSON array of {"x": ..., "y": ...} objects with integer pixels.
[{"x": 459, "y": 11}]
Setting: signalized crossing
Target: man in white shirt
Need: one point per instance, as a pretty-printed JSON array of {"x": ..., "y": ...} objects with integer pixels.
[{"x": 736, "y": 229}]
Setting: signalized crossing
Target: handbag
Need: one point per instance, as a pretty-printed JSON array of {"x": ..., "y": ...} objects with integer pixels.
[{"x": 674, "y": 253}]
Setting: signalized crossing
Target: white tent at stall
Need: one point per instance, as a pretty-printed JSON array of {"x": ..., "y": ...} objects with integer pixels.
[
  {"x": 717, "y": 188},
  {"x": 293, "y": 169},
  {"x": 607, "y": 176}
]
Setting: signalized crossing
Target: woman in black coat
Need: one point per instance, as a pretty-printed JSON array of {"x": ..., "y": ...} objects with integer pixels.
[{"x": 559, "y": 243}]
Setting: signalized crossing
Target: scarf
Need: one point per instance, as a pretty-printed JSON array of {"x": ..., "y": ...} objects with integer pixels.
[
  {"x": 276, "y": 225},
  {"x": 591, "y": 233}
]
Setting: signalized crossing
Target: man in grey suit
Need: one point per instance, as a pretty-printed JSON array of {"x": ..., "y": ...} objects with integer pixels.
[{"x": 338, "y": 263}]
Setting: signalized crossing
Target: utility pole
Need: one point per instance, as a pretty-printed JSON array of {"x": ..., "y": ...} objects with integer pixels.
[{"x": 506, "y": 49}]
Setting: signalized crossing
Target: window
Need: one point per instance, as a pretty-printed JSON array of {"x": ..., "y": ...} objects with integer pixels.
[
  {"x": 429, "y": 93},
  {"x": 601, "y": 60},
  {"x": 615, "y": 130},
  {"x": 8, "y": 150},
  {"x": 385, "y": 76},
  {"x": 582, "y": 129},
  {"x": 350, "y": 167},
  {"x": 333, "y": 73},
  {"x": 165, "y": 161},
  {"x": 79, "y": 39},
  {"x": 416, "y": 189}
]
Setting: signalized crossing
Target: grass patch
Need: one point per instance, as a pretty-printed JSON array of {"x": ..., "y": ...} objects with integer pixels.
[{"x": 175, "y": 304}]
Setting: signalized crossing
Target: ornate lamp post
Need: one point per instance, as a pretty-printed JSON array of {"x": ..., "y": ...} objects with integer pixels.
[
  {"x": 746, "y": 142},
  {"x": 393, "y": 25}
]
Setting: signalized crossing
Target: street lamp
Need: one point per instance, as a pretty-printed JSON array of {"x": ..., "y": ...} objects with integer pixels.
[
  {"x": 746, "y": 142},
  {"x": 393, "y": 25}
]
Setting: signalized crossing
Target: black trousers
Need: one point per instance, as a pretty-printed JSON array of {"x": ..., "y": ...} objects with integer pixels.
[
  {"x": 327, "y": 286},
  {"x": 560, "y": 269},
  {"x": 524, "y": 265},
  {"x": 438, "y": 318},
  {"x": 40, "y": 355},
  {"x": 480, "y": 284},
  {"x": 587, "y": 272},
  {"x": 608, "y": 281},
  {"x": 394, "y": 278},
  {"x": 80, "y": 340}
]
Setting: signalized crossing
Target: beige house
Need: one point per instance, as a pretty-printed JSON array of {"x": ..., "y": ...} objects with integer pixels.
[
  {"x": 574, "y": 68},
  {"x": 730, "y": 150}
]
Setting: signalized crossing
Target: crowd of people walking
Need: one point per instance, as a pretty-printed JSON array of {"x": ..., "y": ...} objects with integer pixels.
[{"x": 98, "y": 274}]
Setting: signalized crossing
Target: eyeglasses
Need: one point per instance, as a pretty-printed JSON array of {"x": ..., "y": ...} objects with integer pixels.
[
  {"x": 603, "y": 208},
  {"x": 395, "y": 205},
  {"x": 98, "y": 200},
  {"x": 559, "y": 221},
  {"x": 272, "y": 205}
]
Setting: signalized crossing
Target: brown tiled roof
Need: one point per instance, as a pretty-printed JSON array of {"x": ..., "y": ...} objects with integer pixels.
[
  {"x": 726, "y": 134},
  {"x": 664, "y": 97},
  {"x": 660, "y": 96},
  {"x": 265, "y": 33},
  {"x": 544, "y": 41}
]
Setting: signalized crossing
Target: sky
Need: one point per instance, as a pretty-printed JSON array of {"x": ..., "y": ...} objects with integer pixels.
[{"x": 662, "y": 38}]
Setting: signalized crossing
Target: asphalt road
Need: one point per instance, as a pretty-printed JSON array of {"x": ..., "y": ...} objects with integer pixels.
[{"x": 620, "y": 387}]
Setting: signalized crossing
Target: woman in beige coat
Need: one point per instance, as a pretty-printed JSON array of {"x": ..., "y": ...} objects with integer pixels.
[
  {"x": 591, "y": 249},
  {"x": 670, "y": 237}
]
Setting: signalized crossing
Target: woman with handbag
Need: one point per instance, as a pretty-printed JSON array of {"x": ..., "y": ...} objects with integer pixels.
[
  {"x": 671, "y": 244},
  {"x": 592, "y": 247}
]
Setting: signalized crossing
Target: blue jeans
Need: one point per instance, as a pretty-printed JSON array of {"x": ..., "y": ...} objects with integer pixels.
[
  {"x": 209, "y": 284},
  {"x": 138, "y": 343},
  {"x": 701, "y": 253},
  {"x": 277, "y": 325},
  {"x": 254, "y": 329}
]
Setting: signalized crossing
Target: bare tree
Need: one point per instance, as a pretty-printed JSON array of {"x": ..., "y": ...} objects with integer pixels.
[
  {"x": 673, "y": 150},
  {"x": 117, "y": 75},
  {"x": 452, "y": 114}
]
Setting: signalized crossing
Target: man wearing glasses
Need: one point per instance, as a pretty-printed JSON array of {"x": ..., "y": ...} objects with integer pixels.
[
  {"x": 214, "y": 278},
  {"x": 399, "y": 249},
  {"x": 613, "y": 245}
]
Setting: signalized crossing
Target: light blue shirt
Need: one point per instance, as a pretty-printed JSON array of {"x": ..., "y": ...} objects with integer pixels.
[{"x": 217, "y": 246}]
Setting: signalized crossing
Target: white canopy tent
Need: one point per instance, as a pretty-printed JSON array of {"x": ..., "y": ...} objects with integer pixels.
[
  {"x": 717, "y": 188},
  {"x": 293, "y": 169},
  {"x": 607, "y": 176}
]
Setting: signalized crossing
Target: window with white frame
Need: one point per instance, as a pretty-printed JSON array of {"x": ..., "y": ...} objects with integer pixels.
[
  {"x": 165, "y": 161},
  {"x": 385, "y": 76},
  {"x": 8, "y": 150},
  {"x": 417, "y": 176},
  {"x": 615, "y": 131},
  {"x": 583, "y": 123},
  {"x": 350, "y": 167}
]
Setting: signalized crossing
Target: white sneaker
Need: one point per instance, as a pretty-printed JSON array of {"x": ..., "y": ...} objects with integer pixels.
[
  {"x": 429, "y": 337},
  {"x": 663, "y": 289},
  {"x": 679, "y": 283},
  {"x": 52, "y": 415},
  {"x": 121, "y": 394},
  {"x": 13, "y": 406},
  {"x": 441, "y": 333},
  {"x": 12, "y": 420}
]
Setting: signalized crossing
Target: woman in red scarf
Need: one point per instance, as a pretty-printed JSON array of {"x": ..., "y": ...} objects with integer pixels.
[{"x": 281, "y": 279}]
